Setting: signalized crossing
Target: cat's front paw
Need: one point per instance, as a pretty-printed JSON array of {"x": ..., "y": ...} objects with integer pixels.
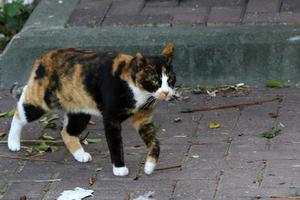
[
  {"x": 82, "y": 156},
  {"x": 14, "y": 145},
  {"x": 120, "y": 171},
  {"x": 149, "y": 167}
]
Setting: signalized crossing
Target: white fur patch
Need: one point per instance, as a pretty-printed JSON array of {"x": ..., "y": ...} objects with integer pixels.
[
  {"x": 139, "y": 95},
  {"x": 149, "y": 167},
  {"x": 165, "y": 88},
  {"x": 17, "y": 124},
  {"x": 81, "y": 156},
  {"x": 120, "y": 171}
]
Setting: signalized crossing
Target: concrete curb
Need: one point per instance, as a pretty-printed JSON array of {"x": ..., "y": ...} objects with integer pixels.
[{"x": 204, "y": 55}]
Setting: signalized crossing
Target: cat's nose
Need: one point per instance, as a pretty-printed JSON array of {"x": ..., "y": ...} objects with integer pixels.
[{"x": 165, "y": 93}]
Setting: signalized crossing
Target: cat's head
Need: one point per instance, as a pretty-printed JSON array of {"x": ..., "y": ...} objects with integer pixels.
[{"x": 154, "y": 74}]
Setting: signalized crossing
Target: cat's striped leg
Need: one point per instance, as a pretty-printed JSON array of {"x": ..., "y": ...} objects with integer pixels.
[
  {"x": 74, "y": 124},
  {"x": 142, "y": 122},
  {"x": 25, "y": 113},
  {"x": 115, "y": 145}
]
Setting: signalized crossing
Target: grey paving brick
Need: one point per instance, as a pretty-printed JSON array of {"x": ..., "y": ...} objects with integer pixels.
[
  {"x": 144, "y": 20},
  {"x": 172, "y": 10},
  {"x": 290, "y": 5},
  {"x": 204, "y": 3},
  {"x": 33, "y": 191},
  {"x": 89, "y": 13},
  {"x": 271, "y": 18},
  {"x": 193, "y": 19},
  {"x": 130, "y": 7},
  {"x": 225, "y": 16},
  {"x": 194, "y": 189},
  {"x": 166, "y": 3},
  {"x": 257, "y": 6}
]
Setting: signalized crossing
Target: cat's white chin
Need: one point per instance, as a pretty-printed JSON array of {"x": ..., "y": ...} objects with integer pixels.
[
  {"x": 149, "y": 167},
  {"x": 120, "y": 171}
]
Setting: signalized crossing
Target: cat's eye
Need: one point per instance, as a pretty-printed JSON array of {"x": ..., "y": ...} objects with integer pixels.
[{"x": 156, "y": 83}]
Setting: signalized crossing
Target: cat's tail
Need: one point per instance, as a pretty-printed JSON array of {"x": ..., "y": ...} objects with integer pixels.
[{"x": 16, "y": 90}]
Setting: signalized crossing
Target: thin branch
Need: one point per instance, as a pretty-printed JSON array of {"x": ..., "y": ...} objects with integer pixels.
[
  {"x": 166, "y": 168},
  {"x": 36, "y": 141},
  {"x": 284, "y": 197},
  {"x": 36, "y": 181},
  {"x": 31, "y": 159},
  {"x": 227, "y": 106}
]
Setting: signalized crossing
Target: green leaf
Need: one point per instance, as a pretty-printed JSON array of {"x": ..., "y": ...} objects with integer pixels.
[
  {"x": 8, "y": 114},
  {"x": 13, "y": 24},
  {"x": 12, "y": 9},
  {"x": 45, "y": 136},
  {"x": 93, "y": 140},
  {"x": 275, "y": 84},
  {"x": 43, "y": 147},
  {"x": 186, "y": 110},
  {"x": 49, "y": 121},
  {"x": 269, "y": 134}
]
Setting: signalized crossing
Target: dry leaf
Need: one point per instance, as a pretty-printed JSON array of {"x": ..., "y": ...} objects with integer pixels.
[
  {"x": 273, "y": 114},
  {"x": 91, "y": 180},
  {"x": 92, "y": 122},
  {"x": 177, "y": 119},
  {"x": 76, "y": 194},
  {"x": 214, "y": 124}
]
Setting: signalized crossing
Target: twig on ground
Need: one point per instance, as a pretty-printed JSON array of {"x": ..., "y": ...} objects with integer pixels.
[
  {"x": 284, "y": 197},
  {"x": 37, "y": 141},
  {"x": 227, "y": 106},
  {"x": 36, "y": 181},
  {"x": 31, "y": 159},
  {"x": 166, "y": 168}
]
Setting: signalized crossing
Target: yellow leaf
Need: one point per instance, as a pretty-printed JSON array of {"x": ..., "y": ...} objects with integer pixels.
[{"x": 214, "y": 124}]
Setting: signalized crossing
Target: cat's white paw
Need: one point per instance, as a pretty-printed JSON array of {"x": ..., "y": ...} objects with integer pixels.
[
  {"x": 14, "y": 145},
  {"x": 81, "y": 156},
  {"x": 149, "y": 167},
  {"x": 120, "y": 171}
]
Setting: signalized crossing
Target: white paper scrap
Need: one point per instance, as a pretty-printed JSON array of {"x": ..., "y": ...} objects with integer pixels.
[{"x": 75, "y": 194}]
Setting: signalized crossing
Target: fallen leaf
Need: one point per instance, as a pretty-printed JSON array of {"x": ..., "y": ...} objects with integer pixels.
[
  {"x": 177, "y": 119},
  {"x": 271, "y": 133},
  {"x": 23, "y": 198},
  {"x": 2, "y": 135},
  {"x": 186, "y": 110},
  {"x": 180, "y": 136},
  {"x": 43, "y": 147},
  {"x": 273, "y": 114},
  {"x": 91, "y": 180},
  {"x": 99, "y": 169},
  {"x": 75, "y": 194},
  {"x": 195, "y": 156},
  {"x": 8, "y": 114},
  {"x": 275, "y": 84},
  {"x": 45, "y": 136},
  {"x": 147, "y": 196},
  {"x": 49, "y": 121},
  {"x": 54, "y": 149},
  {"x": 93, "y": 140},
  {"x": 92, "y": 122},
  {"x": 214, "y": 124}
]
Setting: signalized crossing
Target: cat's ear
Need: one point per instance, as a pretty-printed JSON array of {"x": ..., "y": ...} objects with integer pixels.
[
  {"x": 140, "y": 60},
  {"x": 167, "y": 53}
]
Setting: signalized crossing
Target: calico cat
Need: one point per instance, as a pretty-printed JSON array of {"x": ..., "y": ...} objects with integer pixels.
[{"x": 84, "y": 83}]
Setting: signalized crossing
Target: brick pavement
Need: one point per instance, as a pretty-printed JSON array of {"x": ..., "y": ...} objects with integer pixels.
[
  {"x": 232, "y": 162},
  {"x": 185, "y": 12}
]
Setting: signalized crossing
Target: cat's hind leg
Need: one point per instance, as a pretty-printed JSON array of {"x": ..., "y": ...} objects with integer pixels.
[
  {"x": 74, "y": 124},
  {"x": 25, "y": 113},
  {"x": 142, "y": 122}
]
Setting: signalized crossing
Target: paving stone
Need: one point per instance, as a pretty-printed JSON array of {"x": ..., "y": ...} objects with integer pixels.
[
  {"x": 190, "y": 18},
  {"x": 203, "y": 3},
  {"x": 130, "y": 7},
  {"x": 263, "y": 6},
  {"x": 89, "y": 13},
  {"x": 195, "y": 189},
  {"x": 143, "y": 20},
  {"x": 225, "y": 16},
  {"x": 172, "y": 10},
  {"x": 290, "y": 5},
  {"x": 166, "y": 3},
  {"x": 271, "y": 18},
  {"x": 282, "y": 173},
  {"x": 33, "y": 191}
]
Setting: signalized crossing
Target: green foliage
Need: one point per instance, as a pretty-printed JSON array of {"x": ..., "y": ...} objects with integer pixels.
[
  {"x": 275, "y": 84},
  {"x": 13, "y": 16},
  {"x": 269, "y": 134}
]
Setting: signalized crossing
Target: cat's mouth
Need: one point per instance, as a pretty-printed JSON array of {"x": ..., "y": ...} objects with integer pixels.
[{"x": 151, "y": 100}]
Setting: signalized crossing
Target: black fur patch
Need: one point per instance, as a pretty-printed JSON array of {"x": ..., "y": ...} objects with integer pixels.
[
  {"x": 77, "y": 123},
  {"x": 50, "y": 96},
  {"x": 120, "y": 68},
  {"x": 32, "y": 112},
  {"x": 40, "y": 72}
]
